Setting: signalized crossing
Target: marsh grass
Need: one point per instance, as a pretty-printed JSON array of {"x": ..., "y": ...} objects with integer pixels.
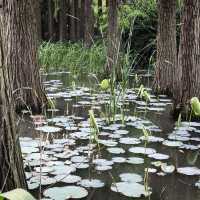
[{"x": 73, "y": 57}]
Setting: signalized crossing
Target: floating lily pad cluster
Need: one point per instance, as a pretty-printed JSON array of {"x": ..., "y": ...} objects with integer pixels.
[{"x": 63, "y": 150}]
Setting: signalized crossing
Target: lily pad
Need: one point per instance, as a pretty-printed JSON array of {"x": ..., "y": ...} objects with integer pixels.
[
  {"x": 142, "y": 150},
  {"x": 48, "y": 129},
  {"x": 68, "y": 192},
  {"x": 131, "y": 177},
  {"x": 116, "y": 150},
  {"x": 190, "y": 171},
  {"x": 130, "y": 189},
  {"x": 91, "y": 183},
  {"x": 159, "y": 156}
]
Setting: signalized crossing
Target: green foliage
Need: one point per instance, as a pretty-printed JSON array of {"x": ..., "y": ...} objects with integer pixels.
[
  {"x": 195, "y": 104},
  {"x": 105, "y": 84},
  {"x": 142, "y": 93},
  {"x": 17, "y": 194},
  {"x": 144, "y": 10},
  {"x": 73, "y": 57}
]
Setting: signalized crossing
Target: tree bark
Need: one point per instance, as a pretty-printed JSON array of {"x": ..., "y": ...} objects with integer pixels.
[
  {"x": 20, "y": 34},
  {"x": 82, "y": 20},
  {"x": 89, "y": 26},
  {"x": 11, "y": 168},
  {"x": 63, "y": 30},
  {"x": 113, "y": 36},
  {"x": 188, "y": 71},
  {"x": 166, "y": 47},
  {"x": 51, "y": 22},
  {"x": 72, "y": 21}
]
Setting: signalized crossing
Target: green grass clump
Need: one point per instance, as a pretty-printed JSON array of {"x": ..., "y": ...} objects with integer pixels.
[{"x": 73, "y": 57}]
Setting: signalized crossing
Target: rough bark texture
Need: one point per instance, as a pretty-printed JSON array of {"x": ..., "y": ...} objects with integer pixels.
[
  {"x": 89, "y": 26},
  {"x": 166, "y": 47},
  {"x": 20, "y": 32},
  {"x": 188, "y": 71},
  {"x": 11, "y": 167},
  {"x": 113, "y": 36},
  {"x": 38, "y": 19}
]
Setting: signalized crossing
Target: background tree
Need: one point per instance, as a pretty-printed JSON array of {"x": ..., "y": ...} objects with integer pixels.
[
  {"x": 11, "y": 167},
  {"x": 166, "y": 47},
  {"x": 113, "y": 35},
  {"x": 89, "y": 23},
  {"x": 21, "y": 50},
  {"x": 63, "y": 20},
  {"x": 188, "y": 70}
]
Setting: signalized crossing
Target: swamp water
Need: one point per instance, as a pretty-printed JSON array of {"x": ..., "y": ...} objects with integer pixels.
[{"x": 64, "y": 161}]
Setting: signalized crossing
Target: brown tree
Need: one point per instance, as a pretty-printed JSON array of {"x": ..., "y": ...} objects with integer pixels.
[
  {"x": 188, "y": 70},
  {"x": 73, "y": 20},
  {"x": 89, "y": 23},
  {"x": 166, "y": 47},
  {"x": 51, "y": 21},
  {"x": 20, "y": 32},
  {"x": 63, "y": 20},
  {"x": 11, "y": 167},
  {"x": 113, "y": 36}
]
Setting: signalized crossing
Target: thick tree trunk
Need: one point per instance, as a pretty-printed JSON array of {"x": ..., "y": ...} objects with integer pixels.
[
  {"x": 113, "y": 37},
  {"x": 188, "y": 71},
  {"x": 11, "y": 167},
  {"x": 166, "y": 47},
  {"x": 89, "y": 23},
  {"x": 20, "y": 32}
]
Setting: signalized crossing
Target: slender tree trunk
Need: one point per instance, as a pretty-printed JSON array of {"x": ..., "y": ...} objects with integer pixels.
[
  {"x": 82, "y": 20},
  {"x": 89, "y": 23},
  {"x": 21, "y": 49},
  {"x": 72, "y": 21},
  {"x": 51, "y": 22},
  {"x": 38, "y": 19},
  {"x": 188, "y": 71},
  {"x": 78, "y": 24},
  {"x": 63, "y": 21},
  {"x": 76, "y": 5},
  {"x": 166, "y": 47},
  {"x": 113, "y": 36},
  {"x": 11, "y": 167}
]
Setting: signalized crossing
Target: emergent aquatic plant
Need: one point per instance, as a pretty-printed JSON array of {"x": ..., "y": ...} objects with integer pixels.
[
  {"x": 195, "y": 105},
  {"x": 17, "y": 194}
]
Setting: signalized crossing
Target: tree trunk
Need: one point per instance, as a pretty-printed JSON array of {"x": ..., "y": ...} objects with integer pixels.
[
  {"x": 20, "y": 32},
  {"x": 78, "y": 15},
  {"x": 188, "y": 71},
  {"x": 82, "y": 20},
  {"x": 73, "y": 21},
  {"x": 38, "y": 19},
  {"x": 89, "y": 26},
  {"x": 51, "y": 22},
  {"x": 63, "y": 30},
  {"x": 113, "y": 36},
  {"x": 11, "y": 168},
  {"x": 166, "y": 47}
]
